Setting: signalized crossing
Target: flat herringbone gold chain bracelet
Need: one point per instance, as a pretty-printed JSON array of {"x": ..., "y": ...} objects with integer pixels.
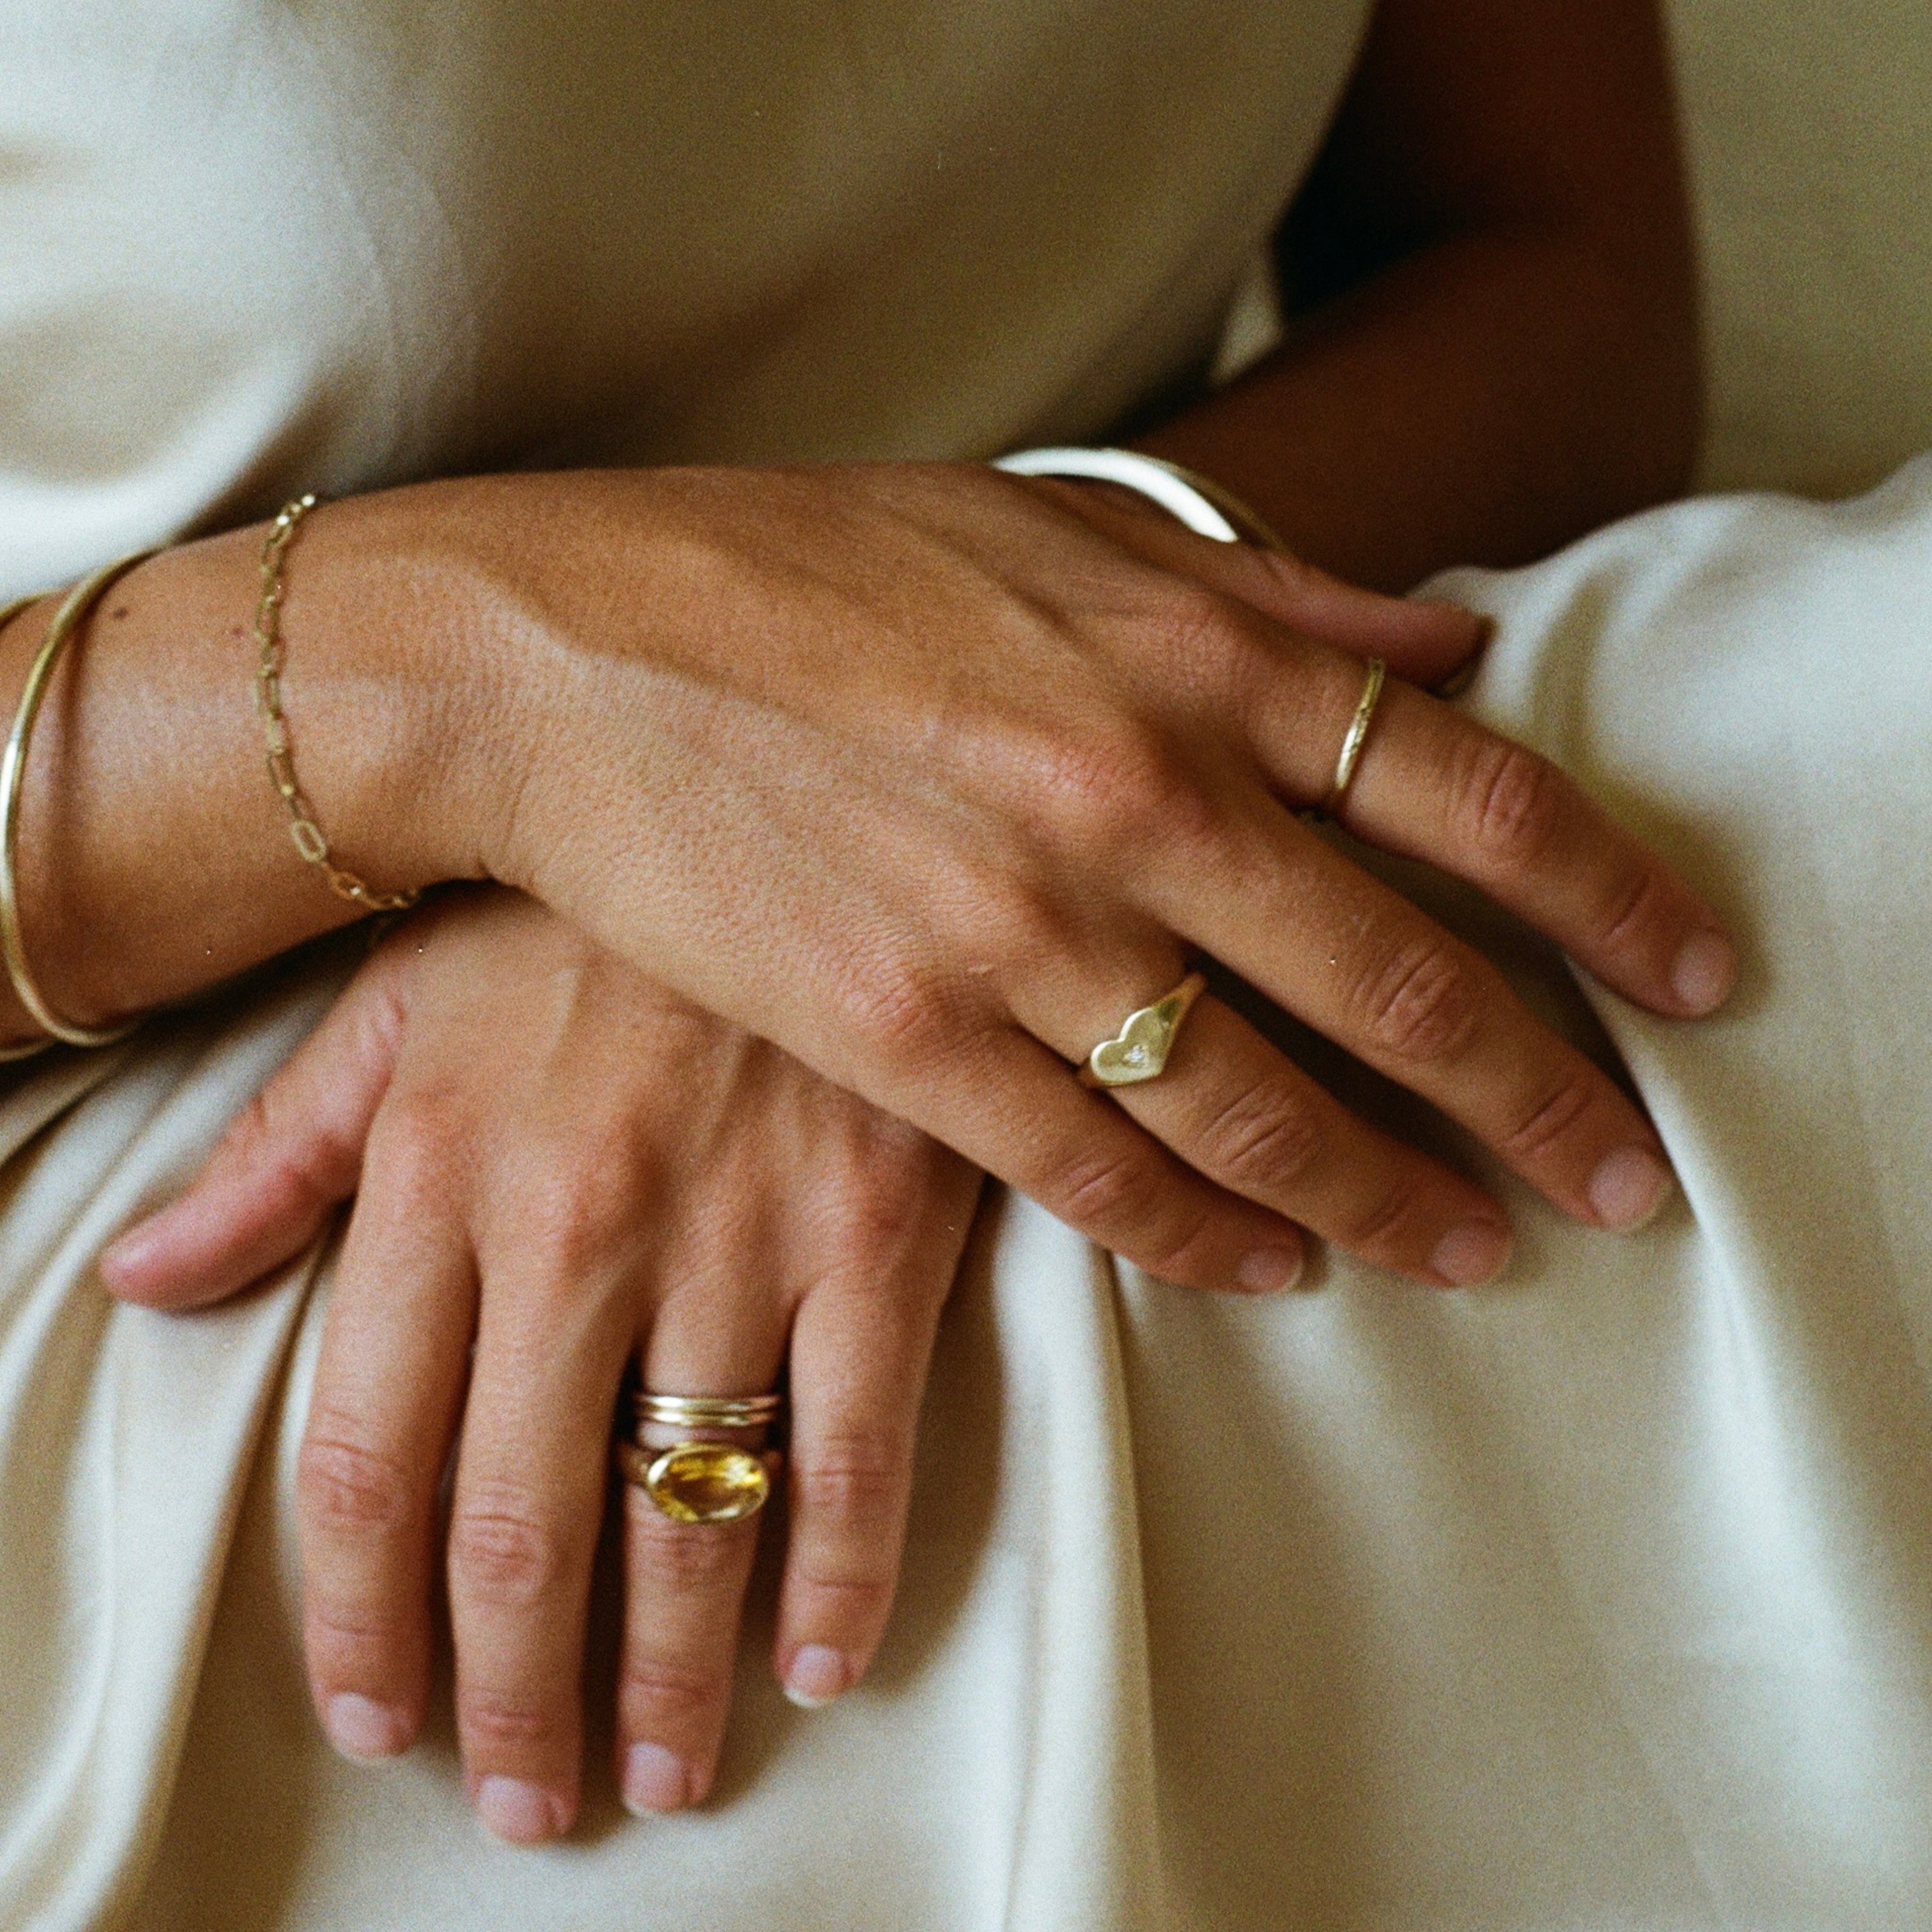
[{"x": 310, "y": 839}]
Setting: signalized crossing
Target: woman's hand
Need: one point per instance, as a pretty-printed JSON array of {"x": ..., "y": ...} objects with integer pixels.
[
  {"x": 932, "y": 776},
  {"x": 570, "y": 1168}
]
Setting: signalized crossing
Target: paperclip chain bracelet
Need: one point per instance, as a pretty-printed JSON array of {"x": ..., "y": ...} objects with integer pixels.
[
  {"x": 67, "y": 620},
  {"x": 309, "y": 838}
]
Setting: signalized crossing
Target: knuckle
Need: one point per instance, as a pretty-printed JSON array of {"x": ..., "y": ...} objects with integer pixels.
[
  {"x": 1265, "y": 1135},
  {"x": 1553, "y": 1118},
  {"x": 331, "y": 1634},
  {"x": 858, "y": 1477},
  {"x": 249, "y": 1136},
  {"x": 252, "y": 1141},
  {"x": 299, "y": 1167},
  {"x": 1368, "y": 1227},
  {"x": 570, "y": 1223},
  {"x": 858, "y": 1605},
  {"x": 1198, "y": 623},
  {"x": 501, "y": 1547},
  {"x": 1122, "y": 1201},
  {"x": 1115, "y": 788},
  {"x": 688, "y": 1557},
  {"x": 1634, "y": 907},
  {"x": 1509, "y": 802},
  {"x": 1102, "y": 1192},
  {"x": 421, "y": 1142},
  {"x": 882, "y": 1181},
  {"x": 1424, "y": 1005},
  {"x": 491, "y": 1717},
  {"x": 343, "y": 1484},
  {"x": 901, "y": 1012},
  {"x": 880, "y": 1218},
  {"x": 1204, "y": 630},
  {"x": 1177, "y": 1247},
  {"x": 668, "y": 1687}
]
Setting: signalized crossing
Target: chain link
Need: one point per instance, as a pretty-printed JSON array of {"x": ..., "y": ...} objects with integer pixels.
[{"x": 308, "y": 837}]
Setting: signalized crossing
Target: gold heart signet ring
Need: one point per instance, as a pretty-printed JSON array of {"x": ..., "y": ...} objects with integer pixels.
[{"x": 1138, "y": 1051}]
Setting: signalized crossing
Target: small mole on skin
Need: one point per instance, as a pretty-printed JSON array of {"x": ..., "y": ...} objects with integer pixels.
[{"x": 118, "y": 614}]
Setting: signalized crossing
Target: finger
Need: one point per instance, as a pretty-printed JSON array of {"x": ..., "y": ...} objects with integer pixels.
[
  {"x": 529, "y": 1503},
  {"x": 1441, "y": 787},
  {"x": 388, "y": 1390},
  {"x": 683, "y": 1605},
  {"x": 1007, "y": 1103},
  {"x": 289, "y": 1158},
  {"x": 1423, "y": 640},
  {"x": 1243, "y": 1115},
  {"x": 1375, "y": 974},
  {"x": 1433, "y": 784},
  {"x": 1247, "y": 1117},
  {"x": 861, "y": 1346},
  {"x": 684, "y": 1582}
]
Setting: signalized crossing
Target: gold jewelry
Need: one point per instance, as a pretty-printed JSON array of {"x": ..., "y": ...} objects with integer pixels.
[
  {"x": 1202, "y": 504},
  {"x": 1208, "y": 509},
  {"x": 708, "y": 1483},
  {"x": 1357, "y": 734},
  {"x": 10, "y": 1054},
  {"x": 310, "y": 840},
  {"x": 1138, "y": 1051},
  {"x": 706, "y": 1411},
  {"x": 705, "y": 1483},
  {"x": 67, "y": 620},
  {"x": 1248, "y": 522}
]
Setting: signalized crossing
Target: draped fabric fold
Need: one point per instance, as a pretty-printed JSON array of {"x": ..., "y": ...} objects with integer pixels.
[{"x": 125, "y": 1441}]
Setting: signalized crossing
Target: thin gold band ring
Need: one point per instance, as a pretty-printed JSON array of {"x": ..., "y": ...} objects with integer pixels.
[
  {"x": 706, "y": 1412},
  {"x": 1357, "y": 735}
]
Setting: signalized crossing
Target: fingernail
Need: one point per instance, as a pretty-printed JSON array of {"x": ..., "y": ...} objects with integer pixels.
[
  {"x": 524, "y": 1814},
  {"x": 128, "y": 1249},
  {"x": 1704, "y": 972},
  {"x": 655, "y": 1780},
  {"x": 817, "y": 1675},
  {"x": 363, "y": 1730},
  {"x": 1628, "y": 1187},
  {"x": 1268, "y": 1270},
  {"x": 1471, "y": 1254}
]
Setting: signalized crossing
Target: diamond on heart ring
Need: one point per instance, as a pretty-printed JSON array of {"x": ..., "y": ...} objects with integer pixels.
[{"x": 1138, "y": 1051}]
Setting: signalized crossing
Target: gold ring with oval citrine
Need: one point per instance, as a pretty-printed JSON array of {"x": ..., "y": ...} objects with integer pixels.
[{"x": 705, "y": 1482}]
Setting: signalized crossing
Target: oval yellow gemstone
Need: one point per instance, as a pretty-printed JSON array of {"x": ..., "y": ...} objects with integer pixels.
[{"x": 707, "y": 1482}]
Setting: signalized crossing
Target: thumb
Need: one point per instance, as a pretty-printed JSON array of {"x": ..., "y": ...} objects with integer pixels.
[{"x": 286, "y": 1160}]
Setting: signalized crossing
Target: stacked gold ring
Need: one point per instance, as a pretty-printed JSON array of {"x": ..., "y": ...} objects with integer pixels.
[
  {"x": 707, "y": 1482},
  {"x": 706, "y": 1412}
]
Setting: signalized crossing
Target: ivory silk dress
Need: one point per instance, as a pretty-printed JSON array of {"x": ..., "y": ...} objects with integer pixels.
[{"x": 1596, "y": 1600}]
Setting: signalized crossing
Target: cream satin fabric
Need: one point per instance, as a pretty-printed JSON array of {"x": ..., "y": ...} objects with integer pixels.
[
  {"x": 249, "y": 248},
  {"x": 1599, "y": 1599},
  {"x": 1596, "y": 1601}
]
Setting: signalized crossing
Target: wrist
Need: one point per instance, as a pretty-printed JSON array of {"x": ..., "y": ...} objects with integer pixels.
[
  {"x": 155, "y": 855},
  {"x": 403, "y": 673}
]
